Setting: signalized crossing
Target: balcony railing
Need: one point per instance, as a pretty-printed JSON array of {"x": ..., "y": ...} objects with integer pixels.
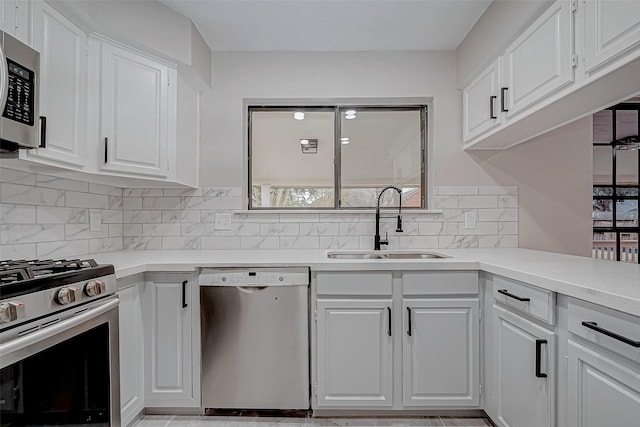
[{"x": 606, "y": 249}]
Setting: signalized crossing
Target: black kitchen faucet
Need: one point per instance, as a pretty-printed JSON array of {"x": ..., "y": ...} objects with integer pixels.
[{"x": 376, "y": 239}]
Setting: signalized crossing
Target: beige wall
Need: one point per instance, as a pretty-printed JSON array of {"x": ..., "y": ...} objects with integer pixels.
[
  {"x": 553, "y": 172},
  {"x": 553, "y": 175}
]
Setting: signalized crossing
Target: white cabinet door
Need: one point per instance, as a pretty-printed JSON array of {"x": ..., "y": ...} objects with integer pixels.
[
  {"x": 134, "y": 111},
  {"x": 168, "y": 343},
  {"x": 131, "y": 354},
  {"x": 538, "y": 63},
  {"x": 612, "y": 29},
  {"x": 524, "y": 355},
  {"x": 16, "y": 18},
  {"x": 354, "y": 353},
  {"x": 63, "y": 74},
  {"x": 480, "y": 103},
  {"x": 440, "y": 352},
  {"x": 601, "y": 392}
]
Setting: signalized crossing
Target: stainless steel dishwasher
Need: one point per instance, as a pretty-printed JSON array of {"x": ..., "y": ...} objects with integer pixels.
[{"x": 255, "y": 338}]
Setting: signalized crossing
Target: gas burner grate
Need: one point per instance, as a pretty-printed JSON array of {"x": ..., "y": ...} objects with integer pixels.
[{"x": 18, "y": 270}]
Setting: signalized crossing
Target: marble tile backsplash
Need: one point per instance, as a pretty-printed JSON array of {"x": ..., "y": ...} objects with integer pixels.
[{"x": 43, "y": 216}]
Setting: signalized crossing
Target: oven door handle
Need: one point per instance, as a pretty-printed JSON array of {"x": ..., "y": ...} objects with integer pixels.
[
  {"x": 4, "y": 78},
  {"x": 46, "y": 333}
]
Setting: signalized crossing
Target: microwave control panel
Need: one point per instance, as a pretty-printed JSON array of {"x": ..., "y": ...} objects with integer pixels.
[{"x": 20, "y": 95}]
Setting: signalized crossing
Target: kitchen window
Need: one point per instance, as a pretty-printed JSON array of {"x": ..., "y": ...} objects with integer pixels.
[{"x": 336, "y": 157}]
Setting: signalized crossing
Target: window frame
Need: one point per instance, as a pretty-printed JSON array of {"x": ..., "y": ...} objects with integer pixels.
[{"x": 338, "y": 109}]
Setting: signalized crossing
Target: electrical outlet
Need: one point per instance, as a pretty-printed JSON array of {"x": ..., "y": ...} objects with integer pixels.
[
  {"x": 95, "y": 221},
  {"x": 222, "y": 221},
  {"x": 470, "y": 220}
]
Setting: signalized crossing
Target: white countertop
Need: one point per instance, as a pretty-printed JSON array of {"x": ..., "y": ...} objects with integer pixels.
[{"x": 611, "y": 284}]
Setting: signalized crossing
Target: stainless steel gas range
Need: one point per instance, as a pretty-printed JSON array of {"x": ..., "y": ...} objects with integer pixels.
[{"x": 58, "y": 343}]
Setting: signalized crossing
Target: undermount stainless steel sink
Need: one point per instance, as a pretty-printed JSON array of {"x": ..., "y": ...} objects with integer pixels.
[{"x": 385, "y": 255}]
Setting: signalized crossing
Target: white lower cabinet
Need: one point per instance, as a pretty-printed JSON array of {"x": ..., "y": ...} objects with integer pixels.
[
  {"x": 384, "y": 340},
  {"x": 524, "y": 370},
  {"x": 601, "y": 391},
  {"x": 354, "y": 353},
  {"x": 171, "y": 341},
  {"x": 131, "y": 353},
  {"x": 440, "y": 350}
]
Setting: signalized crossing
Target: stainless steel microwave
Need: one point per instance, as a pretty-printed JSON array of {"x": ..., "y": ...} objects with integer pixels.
[{"x": 19, "y": 95}]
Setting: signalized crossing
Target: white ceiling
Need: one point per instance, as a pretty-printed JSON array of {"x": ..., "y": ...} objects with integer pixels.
[{"x": 332, "y": 25}]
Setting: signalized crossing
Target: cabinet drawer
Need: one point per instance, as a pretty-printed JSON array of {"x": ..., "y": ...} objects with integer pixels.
[
  {"x": 356, "y": 283},
  {"x": 536, "y": 302},
  {"x": 614, "y": 330},
  {"x": 440, "y": 282}
]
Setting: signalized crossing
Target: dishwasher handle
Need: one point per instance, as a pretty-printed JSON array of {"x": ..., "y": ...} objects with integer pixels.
[{"x": 251, "y": 289}]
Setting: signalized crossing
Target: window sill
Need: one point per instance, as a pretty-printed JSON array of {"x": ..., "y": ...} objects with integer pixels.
[{"x": 372, "y": 211}]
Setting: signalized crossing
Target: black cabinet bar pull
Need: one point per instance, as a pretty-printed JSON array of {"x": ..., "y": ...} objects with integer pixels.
[
  {"x": 106, "y": 150},
  {"x": 503, "y": 100},
  {"x": 492, "y": 100},
  {"x": 595, "y": 327},
  {"x": 510, "y": 295},
  {"x": 539, "y": 343},
  {"x": 43, "y": 132},
  {"x": 389, "y": 313},
  {"x": 184, "y": 294},
  {"x": 409, "y": 317}
]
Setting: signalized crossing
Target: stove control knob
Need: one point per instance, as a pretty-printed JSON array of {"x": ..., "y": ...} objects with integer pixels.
[
  {"x": 93, "y": 288},
  {"x": 66, "y": 295},
  {"x": 10, "y": 311}
]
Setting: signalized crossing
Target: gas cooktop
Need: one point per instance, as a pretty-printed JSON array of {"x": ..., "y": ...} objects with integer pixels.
[{"x": 19, "y": 277}]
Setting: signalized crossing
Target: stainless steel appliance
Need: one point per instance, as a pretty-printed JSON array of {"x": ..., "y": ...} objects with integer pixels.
[
  {"x": 255, "y": 338},
  {"x": 19, "y": 95},
  {"x": 59, "y": 350}
]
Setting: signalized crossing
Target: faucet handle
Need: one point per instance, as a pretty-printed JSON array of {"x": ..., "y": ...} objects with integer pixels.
[{"x": 386, "y": 239}]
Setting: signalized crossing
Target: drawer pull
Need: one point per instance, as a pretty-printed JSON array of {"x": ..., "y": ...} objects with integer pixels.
[
  {"x": 594, "y": 326},
  {"x": 492, "y": 100},
  {"x": 516, "y": 297},
  {"x": 539, "y": 372}
]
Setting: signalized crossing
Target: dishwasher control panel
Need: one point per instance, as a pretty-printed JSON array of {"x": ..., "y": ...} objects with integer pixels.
[{"x": 260, "y": 276}]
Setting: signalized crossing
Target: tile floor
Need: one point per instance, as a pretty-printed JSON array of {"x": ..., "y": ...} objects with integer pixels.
[{"x": 216, "y": 421}]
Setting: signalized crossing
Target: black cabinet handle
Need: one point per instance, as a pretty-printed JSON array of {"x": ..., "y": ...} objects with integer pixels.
[
  {"x": 503, "y": 101},
  {"x": 409, "y": 318},
  {"x": 106, "y": 150},
  {"x": 539, "y": 343},
  {"x": 595, "y": 327},
  {"x": 510, "y": 295},
  {"x": 43, "y": 132},
  {"x": 184, "y": 294},
  {"x": 389, "y": 313},
  {"x": 492, "y": 100}
]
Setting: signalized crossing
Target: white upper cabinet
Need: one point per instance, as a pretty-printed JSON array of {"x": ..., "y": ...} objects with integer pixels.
[
  {"x": 579, "y": 56},
  {"x": 137, "y": 112},
  {"x": 16, "y": 18},
  {"x": 612, "y": 30},
  {"x": 539, "y": 62},
  {"x": 480, "y": 103},
  {"x": 63, "y": 72}
]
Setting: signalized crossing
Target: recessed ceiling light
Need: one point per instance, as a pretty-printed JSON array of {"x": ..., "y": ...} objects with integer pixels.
[
  {"x": 344, "y": 140},
  {"x": 298, "y": 115},
  {"x": 304, "y": 141},
  {"x": 350, "y": 116},
  {"x": 350, "y": 112}
]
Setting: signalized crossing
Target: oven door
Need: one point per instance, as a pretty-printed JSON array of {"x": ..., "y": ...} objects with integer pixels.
[{"x": 63, "y": 369}]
